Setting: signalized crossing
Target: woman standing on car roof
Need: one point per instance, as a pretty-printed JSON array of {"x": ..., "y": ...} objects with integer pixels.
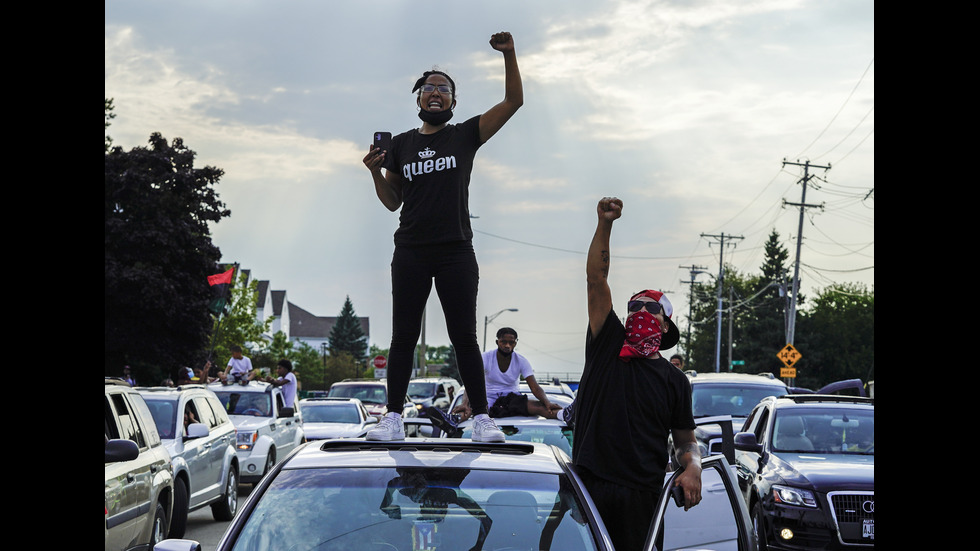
[{"x": 427, "y": 174}]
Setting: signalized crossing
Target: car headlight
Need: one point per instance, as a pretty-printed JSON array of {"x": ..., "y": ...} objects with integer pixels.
[
  {"x": 793, "y": 496},
  {"x": 246, "y": 439}
]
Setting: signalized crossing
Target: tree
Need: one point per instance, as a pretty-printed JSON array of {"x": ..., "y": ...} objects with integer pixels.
[
  {"x": 840, "y": 331},
  {"x": 240, "y": 325},
  {"x": 765, "y": 333},
  {"x": 347, "y": 335},
  {"x": 158, "y": 254},
  {"x": 109, "y": 115},
  {"x": 736, "y": 292}
]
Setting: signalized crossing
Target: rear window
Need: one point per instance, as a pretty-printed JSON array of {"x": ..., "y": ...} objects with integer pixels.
[
  {"x": 372, "y": 394},
  {"x": 729, "y": 399}
]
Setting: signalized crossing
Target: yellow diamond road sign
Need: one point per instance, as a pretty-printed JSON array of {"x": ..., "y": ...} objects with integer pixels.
[{"x": 789, "y": 355}]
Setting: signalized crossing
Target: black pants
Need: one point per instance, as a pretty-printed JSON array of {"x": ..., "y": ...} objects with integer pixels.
[
  {"x": 626, "y": 512},
  {"x": 453, "y": 267}
]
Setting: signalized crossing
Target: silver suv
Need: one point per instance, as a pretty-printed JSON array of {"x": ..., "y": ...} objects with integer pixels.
[
  {"x": 267, "y": 429},
  {"x": 139, "y": 487},
  {"x": 201, "y": 440}
]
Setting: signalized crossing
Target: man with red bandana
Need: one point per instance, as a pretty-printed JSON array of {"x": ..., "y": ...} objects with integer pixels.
[{"x": 629, "y": 399}]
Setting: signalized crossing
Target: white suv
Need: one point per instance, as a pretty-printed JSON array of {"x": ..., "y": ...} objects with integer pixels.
[{"x": 267, "y": 430}]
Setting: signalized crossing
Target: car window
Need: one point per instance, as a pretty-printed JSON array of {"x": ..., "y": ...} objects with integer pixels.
[
  {"x": 760, "y": 429},
  {"x": 825, "y": 430},
  {"x": 254, "y": 404},
  {"x": 164, "y": 414},
  {"x": 378, "y": 509},
  {"x": 128, "y": 427},
  {"x": 374, "y": 394},
  {"x": 204, "y": 413},
  {"x": 221, "y": 416},
  {"x": 729, "y": 399},
  {"x": 330, "y": 414},
  {"x": 712, "y": 524}
]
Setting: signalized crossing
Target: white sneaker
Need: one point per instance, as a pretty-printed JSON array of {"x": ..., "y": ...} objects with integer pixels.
[
  {"x": 485, "y": 430},
  {"x": 391, "y": 427}
]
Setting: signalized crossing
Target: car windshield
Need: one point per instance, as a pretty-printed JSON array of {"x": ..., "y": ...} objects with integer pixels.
[
  {"x": 729, "y": 399},
  {"x": 381, "y": 509},
  {"x": 330, "y": 414},
  {"x": 164, "y": 414},
  {"x": 256, "y": 404},
  {"x": 421, "y": 390},
  {"x": 825, "y": 430},
  {"x": 372, "y": 394}
]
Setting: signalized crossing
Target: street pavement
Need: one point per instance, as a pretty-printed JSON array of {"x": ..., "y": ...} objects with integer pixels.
[{"x": 202, "y": 528}]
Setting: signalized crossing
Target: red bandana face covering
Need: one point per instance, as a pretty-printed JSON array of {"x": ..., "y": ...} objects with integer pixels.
[{"x": 642, "y": 336}]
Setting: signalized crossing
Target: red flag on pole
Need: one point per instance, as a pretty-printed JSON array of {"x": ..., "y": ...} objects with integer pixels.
[{"x": 218, "y": 279}]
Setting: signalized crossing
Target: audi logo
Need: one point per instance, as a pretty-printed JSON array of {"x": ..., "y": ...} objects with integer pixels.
[{"x": 868, "y": 506}]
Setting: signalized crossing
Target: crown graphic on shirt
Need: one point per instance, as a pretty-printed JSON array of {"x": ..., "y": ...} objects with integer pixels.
[{"x": 426, "y": 153}]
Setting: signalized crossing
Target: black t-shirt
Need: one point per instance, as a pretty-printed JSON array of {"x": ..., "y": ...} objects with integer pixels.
[
  {"x": 435, "y": 170},
  {"x": 625, "y": 410}
]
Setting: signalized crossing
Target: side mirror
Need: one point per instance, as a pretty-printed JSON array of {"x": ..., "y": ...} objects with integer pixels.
[
  {"x": 196, "y": 430},
  {"x": 287, "y": 412},
  {"x": 121, "y": 450},
  {"x": 745, "y": 441}
]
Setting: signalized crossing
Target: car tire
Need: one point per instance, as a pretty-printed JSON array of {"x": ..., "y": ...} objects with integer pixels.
[
  {"x": 225, "y": 509},
  {"x": 270, "y": 461},
  {"x": 758, "y": 523},
  {"x": 158, "y": 532},
  {"x": 178, "y": 523}
]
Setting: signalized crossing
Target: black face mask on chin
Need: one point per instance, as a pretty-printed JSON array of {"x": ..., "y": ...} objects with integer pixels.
[{"x": 436, "y": 119}]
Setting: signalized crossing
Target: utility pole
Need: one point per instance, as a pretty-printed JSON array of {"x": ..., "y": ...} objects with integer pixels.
[
  {"x": 694, "y": 272},
  {"x": 721, "y": 278},
  {"x": 791, "y": 329}
]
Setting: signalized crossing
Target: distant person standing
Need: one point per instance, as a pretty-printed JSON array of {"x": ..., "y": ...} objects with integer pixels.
[
  {"x": 427, "y": 175},
  {"x": 239, "y": 368},
  {"x": 287, "y": 380},
  {"x": 128, "y": 376}
]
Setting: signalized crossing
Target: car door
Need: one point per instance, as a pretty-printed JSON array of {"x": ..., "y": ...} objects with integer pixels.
[
  {"x": 720, "y": 522},
  {"x": 283, "y": 428},
  {"x": 749, "y": 463}
]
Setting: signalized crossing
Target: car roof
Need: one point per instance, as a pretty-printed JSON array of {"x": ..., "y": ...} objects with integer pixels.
[
  {"x": 432, "y": 452},
  {"x": 158, "y": 392},
  {"x": 252, "y": 386},
  {"x": 807, "y": 400},
  {"x": 761, "y": 379},
  {"x": 330, "y": 401}
]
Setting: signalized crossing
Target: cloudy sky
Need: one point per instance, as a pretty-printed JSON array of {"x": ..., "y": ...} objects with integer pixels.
[{"x": 685, "y": 109}]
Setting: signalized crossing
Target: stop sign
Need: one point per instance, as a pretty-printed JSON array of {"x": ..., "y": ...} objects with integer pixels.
[{"x": 379, "y": 362}]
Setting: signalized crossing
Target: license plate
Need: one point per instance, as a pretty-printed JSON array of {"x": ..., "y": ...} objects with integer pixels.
[{"x": 868, "y": 529}]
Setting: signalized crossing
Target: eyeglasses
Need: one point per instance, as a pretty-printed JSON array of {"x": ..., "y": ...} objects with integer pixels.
[
  {"x": 443, "y": 88},
  {"x": 652, "y": 306}
]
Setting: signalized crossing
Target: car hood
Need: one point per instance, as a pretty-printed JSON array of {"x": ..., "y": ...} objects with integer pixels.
[
  {"x": 826, "y": 472},
  {"x": 320, "y": 431},
  {"x": 247, "y": 422}
]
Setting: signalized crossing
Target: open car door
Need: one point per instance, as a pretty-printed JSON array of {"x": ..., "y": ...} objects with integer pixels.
[{"x": 720, "y": 522}]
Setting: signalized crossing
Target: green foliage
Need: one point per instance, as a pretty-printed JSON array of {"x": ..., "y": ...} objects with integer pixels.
[
  {"x": 240, "y": 325},
  {"x": 835, "y": 334},
  {"x": 840, "y": 330},
  {"x": 451, "y": 368},
  {"x": 347, "y": 335},
  {"x": 109, "y": 115},
  {"x": 158, "y": 254}
]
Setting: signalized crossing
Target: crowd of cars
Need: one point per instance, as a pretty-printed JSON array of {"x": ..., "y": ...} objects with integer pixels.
[{"x": 798, "y": 472}]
